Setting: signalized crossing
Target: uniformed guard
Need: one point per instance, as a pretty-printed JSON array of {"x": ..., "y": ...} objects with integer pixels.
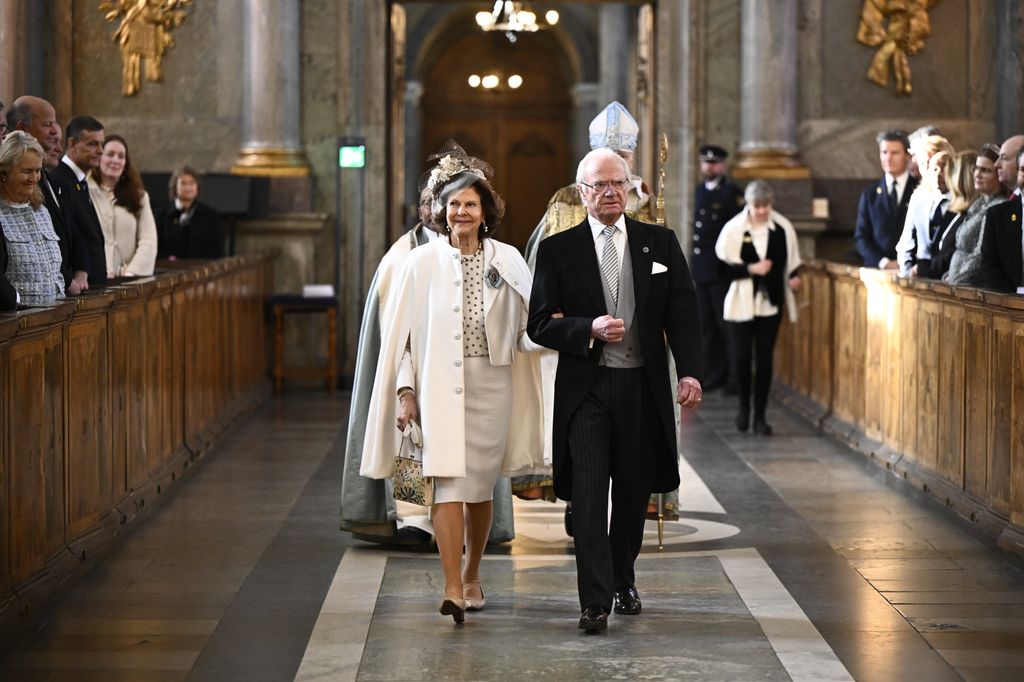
[{"x": 717, "y": 200}]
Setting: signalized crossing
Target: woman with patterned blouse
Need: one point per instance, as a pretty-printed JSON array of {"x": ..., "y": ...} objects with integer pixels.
[
  {"x": 33, "y": 249},
  {"x": 454, "y": 360}
]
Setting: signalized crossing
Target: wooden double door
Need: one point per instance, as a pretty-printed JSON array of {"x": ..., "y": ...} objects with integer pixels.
[
  {"x": 524, "y": 133},
  {"x": 529, "y": 156}
]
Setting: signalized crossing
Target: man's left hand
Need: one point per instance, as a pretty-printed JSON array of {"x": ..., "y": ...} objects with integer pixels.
[{"x": 688, "y": 392}]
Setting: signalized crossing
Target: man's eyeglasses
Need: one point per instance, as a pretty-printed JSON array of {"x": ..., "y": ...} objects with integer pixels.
[{"x": 601, "y": 186}]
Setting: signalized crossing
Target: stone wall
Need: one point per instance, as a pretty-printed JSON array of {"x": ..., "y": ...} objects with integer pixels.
[
  {"x": 841, "y": 111},
  {"x": 193, "y": 116}
]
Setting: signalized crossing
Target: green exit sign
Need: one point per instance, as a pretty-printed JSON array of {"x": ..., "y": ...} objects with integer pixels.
[{"x": 352, "y": 156}]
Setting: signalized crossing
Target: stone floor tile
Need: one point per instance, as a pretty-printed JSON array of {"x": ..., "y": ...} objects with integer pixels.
[
  {"x": 963, "y": 610},
  {"x": 990, "y": 673},
  {"x": 879, "y": 574},
  {"x": 102, "y": 660},
  {"x": 955, "y": 597},
  {"x": 976, "y": 640}
]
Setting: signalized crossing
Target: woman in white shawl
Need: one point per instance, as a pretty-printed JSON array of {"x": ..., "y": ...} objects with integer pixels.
[
  {"x": 760, "y": 247},
  {"x": 452, "y": 359}
]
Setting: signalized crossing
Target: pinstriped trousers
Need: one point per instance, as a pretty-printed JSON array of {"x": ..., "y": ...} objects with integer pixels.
[{"x": 610, "y": 438}]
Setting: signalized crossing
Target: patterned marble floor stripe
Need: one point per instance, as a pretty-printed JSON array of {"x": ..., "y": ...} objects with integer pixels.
[{"x": 336, "y": 645}]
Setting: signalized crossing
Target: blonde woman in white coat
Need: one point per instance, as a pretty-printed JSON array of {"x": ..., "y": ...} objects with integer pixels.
[
  {"x": 122, "y": 205},
  {"x": 454, "y": 358},
  {"x": 759, "y": 247}
]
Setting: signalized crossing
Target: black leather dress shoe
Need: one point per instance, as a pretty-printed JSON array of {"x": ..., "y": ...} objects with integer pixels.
[
  {"x": 762, "y": 427},
  {"x": 594, "y": 618},
  {"x": 568, "y": 519},
  {"x": 627, "y": 601}
]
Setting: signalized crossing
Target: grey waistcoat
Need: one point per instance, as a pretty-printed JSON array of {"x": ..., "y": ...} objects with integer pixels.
[{"x": 626, "y": 353}]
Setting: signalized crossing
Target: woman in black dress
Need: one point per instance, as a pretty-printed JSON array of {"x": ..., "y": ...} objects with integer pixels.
[{"x": 188, "y": 228}]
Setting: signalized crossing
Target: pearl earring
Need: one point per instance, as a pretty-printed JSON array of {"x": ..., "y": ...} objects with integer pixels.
[{"x": 485, "y": 228}]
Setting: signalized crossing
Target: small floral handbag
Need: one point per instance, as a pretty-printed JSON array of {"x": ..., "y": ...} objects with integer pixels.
[{"x": 407, "y": 480}]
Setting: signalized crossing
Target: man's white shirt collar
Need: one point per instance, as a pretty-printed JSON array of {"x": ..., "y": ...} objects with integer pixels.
[
  {"x": 79, "y": 173},
  {"x": 597, "y": 227},
  {"x": 901, "y": 183}
]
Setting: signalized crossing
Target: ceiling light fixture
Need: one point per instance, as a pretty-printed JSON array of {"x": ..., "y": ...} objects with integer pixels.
[
  {"x": 495, "y": 81},
  {"x": 513, "y": 17}
]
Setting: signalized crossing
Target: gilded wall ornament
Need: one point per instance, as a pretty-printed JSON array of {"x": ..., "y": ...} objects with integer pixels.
[
  {"x": 143, "y": 33},
  {"x": 898, "y": 29}
]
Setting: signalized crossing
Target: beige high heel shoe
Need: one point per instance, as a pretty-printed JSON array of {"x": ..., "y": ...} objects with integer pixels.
[
  {"x": 471, "y": 603},
  {"x": 456, "y": 608}
]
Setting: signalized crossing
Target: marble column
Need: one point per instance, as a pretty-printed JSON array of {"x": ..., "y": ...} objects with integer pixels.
[
  {"x": 23, "y": 68},
  {"x": 270, "y": 111},
  {"x": 585, "y": 97},
  {"x": 1009, "y": 79},
  {"x": 414, "y": 152},
  {"x": 617, "y": 38},
  {"x": 363, "y": 68},
  {"x": 768, "y": 109},
  {"x": 677, "y": 88}
]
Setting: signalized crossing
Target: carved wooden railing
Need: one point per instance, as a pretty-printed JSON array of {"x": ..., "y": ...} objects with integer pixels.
[
  {"x": 924, "y": 377},
  {"x": 105, "y": 401}
]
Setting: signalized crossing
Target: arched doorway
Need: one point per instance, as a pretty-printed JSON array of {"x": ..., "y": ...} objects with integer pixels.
[{"x": 523, "y": 132}]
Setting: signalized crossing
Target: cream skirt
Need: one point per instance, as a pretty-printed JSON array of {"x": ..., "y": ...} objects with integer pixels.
[{"x": 488, "y": 402}]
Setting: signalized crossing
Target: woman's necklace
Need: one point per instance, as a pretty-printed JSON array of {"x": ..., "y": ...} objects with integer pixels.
[{"x": 478, "y": 249}]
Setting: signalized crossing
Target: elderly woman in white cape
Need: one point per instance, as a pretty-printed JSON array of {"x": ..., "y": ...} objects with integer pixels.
[
  {"x": 368, "y": 509},
  {"x": 455, "y": 358},
  {"x": 759, "y": 246}
]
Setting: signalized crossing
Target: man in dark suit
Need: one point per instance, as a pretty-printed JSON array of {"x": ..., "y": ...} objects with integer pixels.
[
  {"x": 883, "y": 206},
  {"x": 1002, "y": 242},
  {"x": 38, "y": 118},
  {"x": 717, "y": 200},
  {"x": 84, "y": 148},
  {"x": 1006, "y": 165},
  {"x": 606, "y": 294}
]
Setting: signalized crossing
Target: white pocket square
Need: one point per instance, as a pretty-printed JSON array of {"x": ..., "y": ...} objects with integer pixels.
[{"x": 657, "y": 267}]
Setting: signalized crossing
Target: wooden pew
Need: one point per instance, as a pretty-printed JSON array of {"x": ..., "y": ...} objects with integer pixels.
[
  {"x": 105, "y": 401},
  {"x": 925, "y": 378}
]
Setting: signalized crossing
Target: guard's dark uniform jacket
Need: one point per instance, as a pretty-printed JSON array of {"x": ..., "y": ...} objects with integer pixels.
[{"x": 712, "y": 210}]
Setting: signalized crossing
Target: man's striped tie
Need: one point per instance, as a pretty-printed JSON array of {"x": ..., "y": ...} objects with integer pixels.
[{"x": 610, "y": 263}]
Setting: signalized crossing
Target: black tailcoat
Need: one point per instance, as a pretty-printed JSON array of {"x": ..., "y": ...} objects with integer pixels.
[{"x": 567, "y": 280}]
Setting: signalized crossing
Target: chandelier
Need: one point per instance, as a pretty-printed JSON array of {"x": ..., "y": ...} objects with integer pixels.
[
  {"x": 513, "y": 17},
  {"x": 495, "y": 81}
]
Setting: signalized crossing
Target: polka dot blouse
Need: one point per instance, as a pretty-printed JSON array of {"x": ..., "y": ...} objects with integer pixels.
[{"x": 474, "y": 333}]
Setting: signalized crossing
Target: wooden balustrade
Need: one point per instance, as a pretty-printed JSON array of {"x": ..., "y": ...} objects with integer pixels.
[
  {"x": 105, "y": 401},
  {"x": 926, "y": 378}
]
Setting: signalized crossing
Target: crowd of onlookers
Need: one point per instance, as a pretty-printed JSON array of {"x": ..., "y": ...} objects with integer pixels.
[
  {"x": 75, "y": 215},
  {"x": 940, "y": 213},
  {"x": 936, "y": 213}
]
